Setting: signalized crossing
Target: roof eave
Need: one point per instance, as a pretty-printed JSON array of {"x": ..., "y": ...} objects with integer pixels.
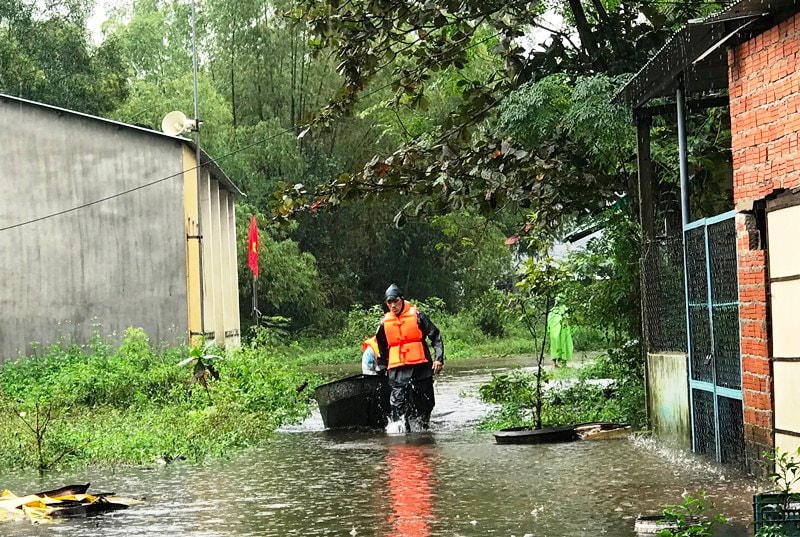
[
  {"x": 696, "y": 51},
  {"x": 213, "y": 167}
]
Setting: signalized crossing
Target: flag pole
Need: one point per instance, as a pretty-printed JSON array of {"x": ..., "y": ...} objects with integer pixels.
[{"x": 255, "y": 302}]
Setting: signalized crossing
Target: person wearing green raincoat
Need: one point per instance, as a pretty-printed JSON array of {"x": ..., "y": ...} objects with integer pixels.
[{"x": 559, "y": 332}]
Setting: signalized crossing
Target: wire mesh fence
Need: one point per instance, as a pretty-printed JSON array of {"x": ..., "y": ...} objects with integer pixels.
[
  {"x": 705, "y": 429},
  {"x": 700, "y": 322},
  {"x": 731, "y": 431},
  {"x": 725, "y": 303},
  {"x": 663, "y": 298},
  {"x": 714, "y": 343}
]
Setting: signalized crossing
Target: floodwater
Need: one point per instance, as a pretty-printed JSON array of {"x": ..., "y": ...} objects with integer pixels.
[{"x": 450, "y": 482}]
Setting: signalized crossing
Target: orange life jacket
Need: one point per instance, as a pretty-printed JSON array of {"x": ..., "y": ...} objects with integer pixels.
[
  {"x": 371, "y": 342},
  {"x": 404, "y": 338}
]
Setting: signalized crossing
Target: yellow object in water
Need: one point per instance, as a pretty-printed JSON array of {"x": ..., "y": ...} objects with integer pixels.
[{"x": 44, "y": 507}]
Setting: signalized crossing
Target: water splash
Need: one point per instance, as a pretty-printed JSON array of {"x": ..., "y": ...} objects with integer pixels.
[
  {"x": 397, "y": 427},
  {"x": 416, "y": 425}
]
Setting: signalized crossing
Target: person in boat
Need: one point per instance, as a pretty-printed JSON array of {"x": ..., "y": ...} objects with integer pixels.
[
  {"x": 369, "y": 357},
  {"x": 407, "y": 358}
]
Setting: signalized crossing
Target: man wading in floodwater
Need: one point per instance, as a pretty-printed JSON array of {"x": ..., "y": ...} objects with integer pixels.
[{"x": 410, "y": 368}]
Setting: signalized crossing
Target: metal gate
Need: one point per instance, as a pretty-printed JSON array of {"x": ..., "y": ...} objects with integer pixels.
[{"x": 715, "y": 364}]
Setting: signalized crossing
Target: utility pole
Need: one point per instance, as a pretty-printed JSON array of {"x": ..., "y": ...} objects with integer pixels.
[{"x": 199, "y": 170}]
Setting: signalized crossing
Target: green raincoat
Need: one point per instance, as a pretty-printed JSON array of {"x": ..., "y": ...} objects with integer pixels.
[{"x": 560, "y": 334}]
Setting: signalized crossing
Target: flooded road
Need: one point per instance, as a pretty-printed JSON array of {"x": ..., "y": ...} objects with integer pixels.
[{"x": 449, "y": 482}]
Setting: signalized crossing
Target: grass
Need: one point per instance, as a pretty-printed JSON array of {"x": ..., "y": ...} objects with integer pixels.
[
  {"x": 135, "y": 404},
  {"x": 334, "y": 352}
]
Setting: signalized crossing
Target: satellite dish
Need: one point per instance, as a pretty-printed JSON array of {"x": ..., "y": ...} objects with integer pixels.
[{"x": 176, "y": 123}]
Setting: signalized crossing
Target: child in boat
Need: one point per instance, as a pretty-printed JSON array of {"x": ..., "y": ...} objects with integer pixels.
[{"x": 369, "y": 357}]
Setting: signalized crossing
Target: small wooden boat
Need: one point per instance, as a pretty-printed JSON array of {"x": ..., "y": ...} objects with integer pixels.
[
  {"x": 360, "y": 401},
  {"x": 545, "y": 435},
  {"x": 602, "y": 430}
]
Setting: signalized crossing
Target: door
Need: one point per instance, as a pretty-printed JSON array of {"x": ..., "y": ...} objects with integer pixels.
[
  {"x": 715, "y": 364},
  {"x": 783, "y": 216}
]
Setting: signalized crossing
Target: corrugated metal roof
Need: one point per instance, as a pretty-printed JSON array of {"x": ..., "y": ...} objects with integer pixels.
[
  {"x": 206, "y": 160},
  {"x": 750, "y": 8},
  {"x": 695, "y": 51}
]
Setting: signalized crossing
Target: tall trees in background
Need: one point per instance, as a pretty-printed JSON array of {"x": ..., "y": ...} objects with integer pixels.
[
  {"x": 397, "y": 113},
  {"x": 46, "y": 55},
  {"x": 534, "y": 131},
  {"x": 260, "y": 86}
]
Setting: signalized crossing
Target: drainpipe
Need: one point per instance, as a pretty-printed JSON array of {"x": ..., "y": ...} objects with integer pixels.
[
  {"x": 683, "y": 158},
  {"x": 644, "y": 166},
  {"x": 684, "y": 177}
]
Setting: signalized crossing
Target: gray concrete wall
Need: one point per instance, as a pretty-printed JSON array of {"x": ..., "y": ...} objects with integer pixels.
[
  {"x": 107, "y": 266},
  {"x": 668, "y": 398}
]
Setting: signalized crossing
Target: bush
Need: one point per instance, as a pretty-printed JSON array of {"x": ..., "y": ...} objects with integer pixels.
[
  {"x": 587, "y": 338},
  {"x": 579, "y": 403},
  {"x": 361, "y": 323},
  {"x": 625, "y": 366},
  {"x": 134, "y": 404},
  {"x": 515, "y": 392},
  {"x": 491, "y": 313}
]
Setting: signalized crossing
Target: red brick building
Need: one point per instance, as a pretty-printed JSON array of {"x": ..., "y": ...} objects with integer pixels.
[
  {"x": 764, "y": 93},
  {"x": 752, "y": 49}
]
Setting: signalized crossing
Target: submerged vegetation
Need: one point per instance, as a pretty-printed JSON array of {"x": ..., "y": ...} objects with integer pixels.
[
  {"x": 691, "y": 518},
  {"x": 594, "y": 392},
  {"x": 135, "y": 404},
  {"x": 598, "y": 291},
  {"x": 138, "y": 403},
  {"x": 301, "y": 106}
]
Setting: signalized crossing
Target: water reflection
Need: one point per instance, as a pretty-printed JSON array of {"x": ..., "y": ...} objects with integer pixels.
[{"x": 410, "y": 482}]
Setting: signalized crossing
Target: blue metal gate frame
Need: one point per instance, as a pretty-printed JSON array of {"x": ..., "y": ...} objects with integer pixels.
[{"x": 712, "y": 387}]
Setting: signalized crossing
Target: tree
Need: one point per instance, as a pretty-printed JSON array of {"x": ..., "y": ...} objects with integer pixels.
[
  {"x": 468, "y": 160},
  {"x": 46, "y": 55},
  {"x": 473, "y": 254},
  {"x": 289, "y": 284},
  {"x": 542, "y": 280}
]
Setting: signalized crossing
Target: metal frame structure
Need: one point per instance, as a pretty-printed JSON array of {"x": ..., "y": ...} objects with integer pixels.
[{"x": 715, "y": 387}]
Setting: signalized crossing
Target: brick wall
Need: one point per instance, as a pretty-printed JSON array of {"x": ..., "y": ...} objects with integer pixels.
[
  {"x": 764, "y": 82},
  {"x": 756, "y": 366}
]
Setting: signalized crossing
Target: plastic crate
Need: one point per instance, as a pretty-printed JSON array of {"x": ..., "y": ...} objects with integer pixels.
[{"x": 777, "y": 509}]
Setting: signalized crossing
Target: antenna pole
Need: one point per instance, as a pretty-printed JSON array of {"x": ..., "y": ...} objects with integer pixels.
[{"x": 199, "y": 169}]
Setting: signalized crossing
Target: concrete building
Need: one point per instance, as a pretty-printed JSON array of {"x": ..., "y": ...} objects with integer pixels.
[
  {"x": 732, "y": 385},
  {"x": 99, "y": 232}
]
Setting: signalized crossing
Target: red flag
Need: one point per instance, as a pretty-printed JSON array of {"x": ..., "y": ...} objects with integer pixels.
[{"x": 252, "y": 247}]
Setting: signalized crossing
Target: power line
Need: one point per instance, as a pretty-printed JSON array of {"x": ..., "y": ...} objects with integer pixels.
[
  {"x": 168, "y": 177},
  {"x": 134, "y": 189},
  {"x": 90, "y": 203}
]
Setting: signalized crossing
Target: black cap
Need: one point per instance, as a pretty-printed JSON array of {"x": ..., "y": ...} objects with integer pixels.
[{"x": 392, "y": 292}]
